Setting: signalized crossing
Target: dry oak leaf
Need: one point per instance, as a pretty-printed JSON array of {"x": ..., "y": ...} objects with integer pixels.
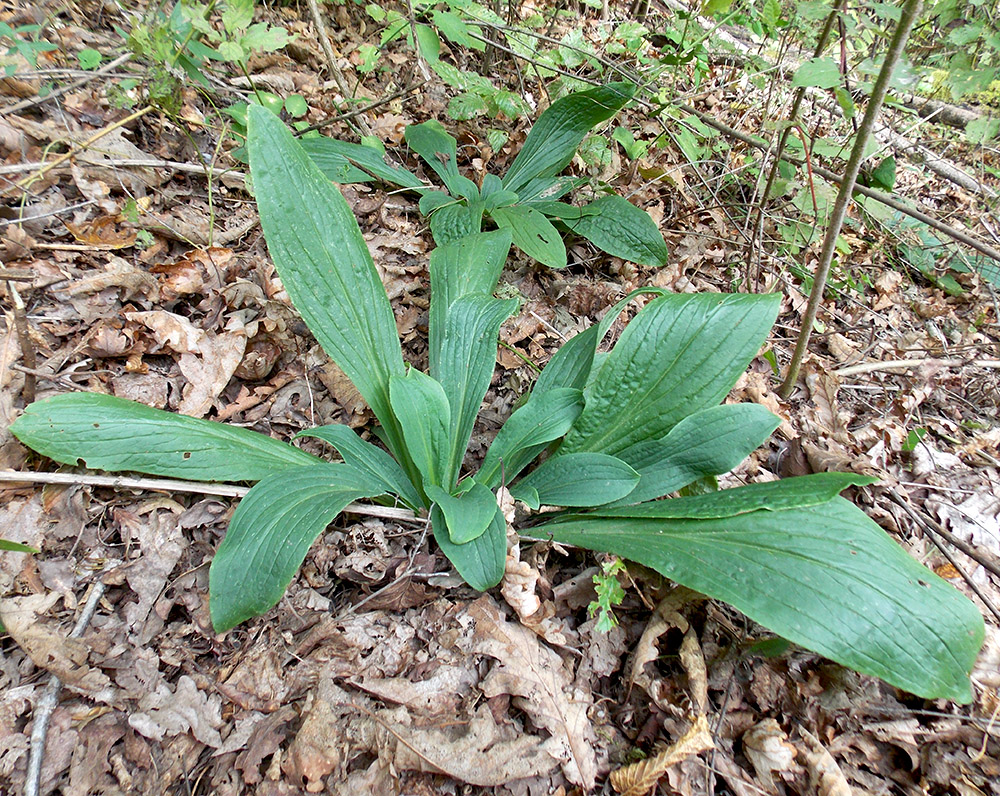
[
  {"x": 165, "y": 713},
  {"x": 47, "y": 647},
  {"x": 767, "y": 748},
  {"x": 541, "y": 686},
  {"x": 207, "y": 360},
  {"x": 479, "y": 753},
  {"x": 640, "y": 778},
  {"x": 825, "y": 776},
  {"x": 102, "y": 233}
]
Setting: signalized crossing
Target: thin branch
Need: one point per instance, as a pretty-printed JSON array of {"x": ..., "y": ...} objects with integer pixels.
[
  {"x": 193, "y": 487},
  {"x": 50, "y": 698},
  {"x": 908, "y": 364},
  {"x": 109, "y": 67}
]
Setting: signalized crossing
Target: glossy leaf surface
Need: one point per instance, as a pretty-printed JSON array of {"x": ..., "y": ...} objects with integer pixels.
[
  {"x": 576, "y": 479},
  {"x": 109, "y": 433}
]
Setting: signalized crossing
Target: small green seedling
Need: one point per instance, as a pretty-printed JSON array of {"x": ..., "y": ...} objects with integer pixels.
[
  {"x": 610, "y": 594},
  {"x": 525, "y": 200},
  {"x": 603, "y": 436}
]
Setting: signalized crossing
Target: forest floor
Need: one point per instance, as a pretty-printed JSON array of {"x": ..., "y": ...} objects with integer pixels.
[{"x": 154, "y": 284}]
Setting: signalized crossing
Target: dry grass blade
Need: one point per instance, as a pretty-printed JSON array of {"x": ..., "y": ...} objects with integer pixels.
[{"x": 640, "y": 778}]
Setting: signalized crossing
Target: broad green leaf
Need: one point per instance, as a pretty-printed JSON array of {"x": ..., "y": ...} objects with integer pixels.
[
  {"x": 533, "y": 234},
  {"x": 113, "y": 434},
  {"x": 455, "y": 30},
  {"x": 546, "y": 417},
  {"x": 710, "y": 442},
  {"x": 466, "y": 364},
  {"x": 271, "y": 532},
  {"x": 438, "y": 149},
  {"x": 325, "y": 266},
  {"x": 16, "y": 547},
  {"x": 817, "y": 73},
  {"x": 554, "y": 138},
  {"x": 422, "y": 407},
  {"x": 368, "y": 459},
  {"x": 548, "y": 189},
  {"x": 480, "y": 562},
  {"x": 428, "y": 42},
  {"x": 467, "y": 514},
  {"x": 618, "y": 227},
  {"x": 571, "y": 365},
  {"x": 468, "y": 266},
  {"x": 332, "y": 157},
  {"x": 823, "y": 576},
  {"x": 434, "y": 200},
  {"x": 453, "y": 222},
  {"x": 681, "y": 353},
  {"x": 466, "y": 106},
  {"x": 789, "y": 493},
  {"x": 576, "y": 479}
]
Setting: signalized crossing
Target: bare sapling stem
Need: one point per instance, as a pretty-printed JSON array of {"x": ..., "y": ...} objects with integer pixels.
[{"x": 909, "y": 14}]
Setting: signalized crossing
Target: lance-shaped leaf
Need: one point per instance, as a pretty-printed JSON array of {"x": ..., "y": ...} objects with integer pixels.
[
  {"x": 325, "y": 266},
  {"x": 681, "y": 353},
  {"x": 108, "y": 433},
  {"x": 465, "y": 367},
  {"x": 467, "y": 513},
  {"x": 422, "y": 407},
  {"x": 481, "y": 561},
  {"x": 452, "y": 222},
  {"x": 544, "y": 418},
  {"x": 576, "y": 479},
  {"x": 438, "y": 149},
  {"x": 571, "y": 365},
  {"x": 369, "y": 459},
  {"x": 823, "y": 576},
  {"x": 533, "y": 234},
  {"x": 554, "y": 138},
  {"x": 468, "y": 266},
  {"x": 614, "y": 225},
  {"x": 344, "y": 162},
  {"x": 710, "y": 442},
  {"x": 270, "y": 533}
]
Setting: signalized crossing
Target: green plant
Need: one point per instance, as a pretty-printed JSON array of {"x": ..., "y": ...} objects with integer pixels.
[
  {"x": 525, "y": 200},
  {"x": 609, "y": 594},
  {"x": 24, "y": 41},
  {"x": 620, "y": 430}
]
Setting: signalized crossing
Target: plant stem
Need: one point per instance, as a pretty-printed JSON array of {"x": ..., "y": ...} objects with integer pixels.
[
  {"x": 772, "y": 175},
  {"x": 908, "y": 16}
]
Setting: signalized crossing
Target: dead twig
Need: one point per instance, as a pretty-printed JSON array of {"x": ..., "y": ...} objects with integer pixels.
[
  {"x": 76, "y": 148},
  {"x": 24, "y": 339},
  {"x": 28, "y": 103},
  {"x": 933, "y": 533},
  {"x": 50, "y": 698},
  {"x": 192, "y": 487},
  {"x": 907, "y": 364}
]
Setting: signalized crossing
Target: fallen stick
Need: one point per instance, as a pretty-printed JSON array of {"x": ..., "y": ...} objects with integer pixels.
[
  {"x": 193, "y": 487},
  {"x": 907, "y": 364}
]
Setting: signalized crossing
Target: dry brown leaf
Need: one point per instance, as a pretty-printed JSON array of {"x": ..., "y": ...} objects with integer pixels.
[
  {"x": 480, "y": 752},
  {"x": 767, "y": 748},
  {"x": 825, "y": 776},
  {"x": 102, "y": 233},
  {"x": 823, "y": 387},
  {"x": 165, "y": 713},
  {"x": 119, "y": 273},
  {"x": 541, "y": 685},
  {"x": 693, "y": 661},
  {"x": 662, "y": 619},
  {"x": 207, "y": 360},
  {"x": 47, "y": 646},
  {"x": 640, "y": 778}
]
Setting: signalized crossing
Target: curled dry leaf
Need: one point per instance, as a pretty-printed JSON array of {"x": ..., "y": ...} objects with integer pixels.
[
  {"x": 693, "y": 660},
  {"x": 662, "y": 619},
  {"x": 103, "y": 233},
  {"x": 825, "y": 776},
  {"x": 640, "y": 778},
  {"x": 767, "y": 748},
  {"x": 207, "y": 360},
  {"x": 541, "y": 686},
  {"x": 47, "y": 646}
]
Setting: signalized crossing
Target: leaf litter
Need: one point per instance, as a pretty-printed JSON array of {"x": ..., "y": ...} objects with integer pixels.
[{"x": 425, "y": 687}]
